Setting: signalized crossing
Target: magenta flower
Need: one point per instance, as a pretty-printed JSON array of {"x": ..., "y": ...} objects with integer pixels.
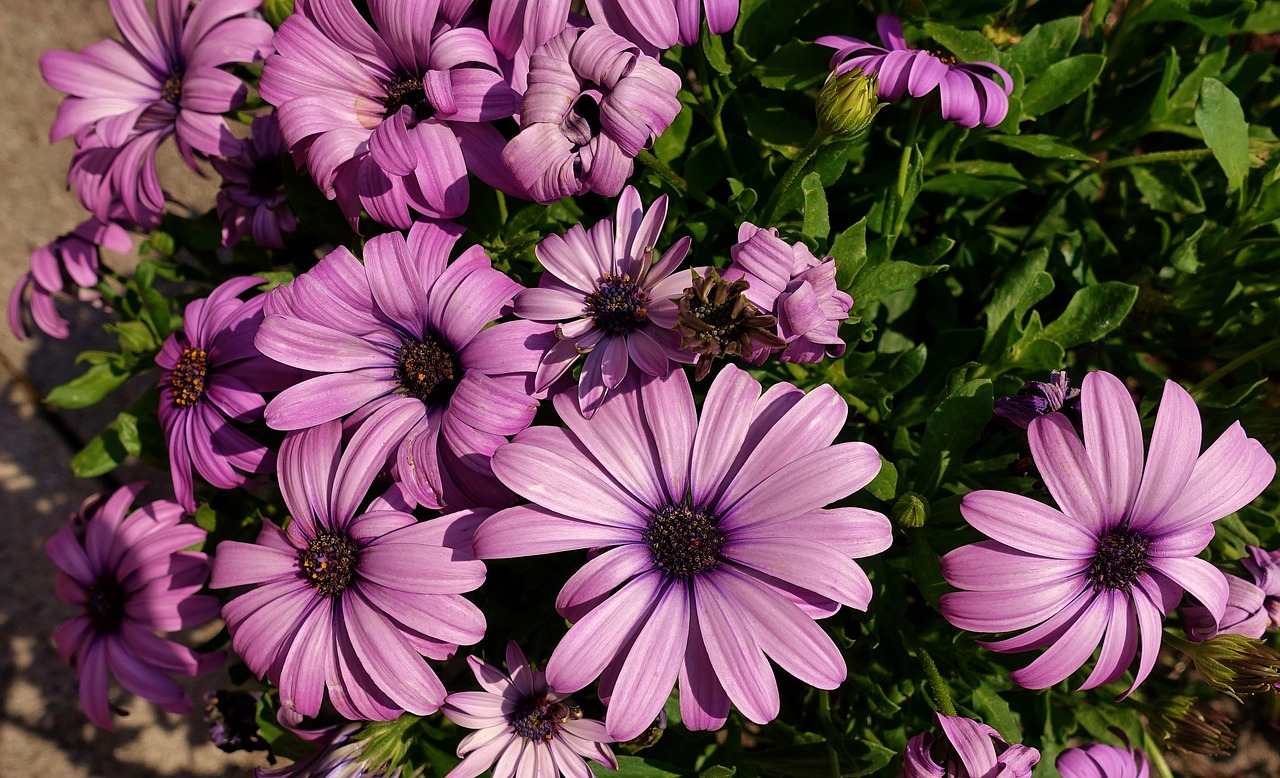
[
  {"x": 345, "y": 600},
  {"x": 130, "y": 577},
  {"x": 390, "y": 119},
  {"x": 722, "y": 549},
  {"x": 1098, "y": 760},
  {"x": 967, "y": 94},
  {"x": 1244, "y": 614},
  {"x": 594, "y": 102},
  {"x": 516, "y": 25},
  {"x": 971, "y": 750},
  {"x": 119, "y": 183},
  {"x": 409, "y": 329},
  {"x": 789, "y": 282},
  {"x": 69, "y": 265},
  {"x": 523, "y": 726},
  {"x": 1264, "y": 566},
  {"x": 1120, "y": 549},
  {"x": 251, "y": 200},
  {"x": 657, "y": 25},
  {"x": 1036, "y": 398},
  {"x": 166, "y": 78},
  {"x": 615, "y": 303},
  {"x": 211, "y": 376},
  {"x": 338, "y": 754}
]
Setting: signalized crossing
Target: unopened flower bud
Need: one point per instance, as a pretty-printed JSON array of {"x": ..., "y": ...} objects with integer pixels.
[
  {"x": 848, "y": 103},
  {"x": 1182, "y": 724},
  {"x": 1234, "y": 664},
  {"x": 911, "y": 511}
]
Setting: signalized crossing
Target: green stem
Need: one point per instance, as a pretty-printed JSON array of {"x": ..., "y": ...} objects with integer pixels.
[
  {"x": 941, "y": 694},
  {"x": 502, "y": 206},
  {"x": 771, "y": 212},
  {"x": 664, "y": 172},
  {"x": 722, "y": 140},
  {"x": 1249, "y": 356},
  {"x": 904, "y": 169},
  {"x": 829, "y": 731}
]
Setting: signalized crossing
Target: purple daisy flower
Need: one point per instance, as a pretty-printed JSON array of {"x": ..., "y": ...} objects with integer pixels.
[
  {"x": 594, "y": 102},
  {"x": 523, "y": 726},
  {"x": 967, "y": 93},
  {"x": 119, "y": 183},
  {"x": 972, "y": 750},
  {"x": 338, "y": 755},
  {"x": 1264, "y": 566},
  {"x": 789, "y": 282},
  {"x": 516, "y": 25},
  {"x": 722, "y": 549},
  {"x": 409, "y": 329},
  {"x": 615, "y": 303},
  {"x": 390, "y": 119},
  {"x": 657, "y": 25},
  {"x": 69, "y": 265},
  {"x": 1121, "y": 548},
  {"x": 1244, "y": 614},
  {"x": 1099, "y": 760},
  {"x": 211, "y": 375},
  {"x": 130, "y": 577},
  {"x": 164, "y": 79},
  {"x": 345, "y": 600},
  {"x": 251, "y": 200},
  {"x": 1036, "y": 398}
]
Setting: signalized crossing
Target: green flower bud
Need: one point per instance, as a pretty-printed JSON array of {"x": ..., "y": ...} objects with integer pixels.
[
  {"x": 1182, "y": 724},
  {"x": 911, "y": 511},
  {"x": 847, "y": 104},
  {"x": 1236, "y": 665},
  {"x": 276, "y": 11}
]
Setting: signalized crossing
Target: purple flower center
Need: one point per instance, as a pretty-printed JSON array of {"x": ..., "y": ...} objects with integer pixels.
[
  {"x": 582, "y": 121},
  {"x": 104, "y": 604},
  {"x": 407, "y": 90},
  {"x": 684, "y": 540},
  {"x": 539, "y": 719},
  {"x": 428, "y": 370},
  {"x": 1120, "y": 556},
  {"x": 188, "y": 379},
  {"x": 329, "y": 562},
  {"x": 618, "y": 305},
  {"x": 171, "y": 91},
  {"x": 266, "y": 178}
]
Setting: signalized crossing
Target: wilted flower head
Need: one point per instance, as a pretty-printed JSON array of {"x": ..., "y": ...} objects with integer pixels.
[
  {"x": 1099, "y": 760},
  {"x": 594, "y": 102},
  {"x": 1119, "y": 551},
  {"x": 128, "y": 573},
  {"x": 1244, "y": 614},
  {"x": 969, "y": 749},
  {"x": 251, "y": 200},
  {"x": 523, "y": 726},
  {"x": 657, "y": 25},
  {"x": 717, "y": 319},
  {"x": 1036, "y": 398},
  {"x": 967, "y": 94},
  {"x": 1264, "y": 566},
  {"x": 69, "y": 265},
  {"x": 847, "y": 103}
]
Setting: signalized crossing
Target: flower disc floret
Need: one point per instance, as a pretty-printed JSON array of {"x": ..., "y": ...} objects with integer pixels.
[
  {"x": 684, "y": 540},
  {"x": 329, "y": 562},
  {"x": 617, "y": 305}
]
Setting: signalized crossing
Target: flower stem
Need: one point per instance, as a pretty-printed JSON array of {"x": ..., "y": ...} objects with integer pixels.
[
  {"x": 829, "y": 730},
  {"x": 1249, "y": 356},
  {"x": 771, "y": 212},
  {"x": 904, "y": 169},
  {"x": 941, "y": 694},
  {"x": 664, "y": 172}
]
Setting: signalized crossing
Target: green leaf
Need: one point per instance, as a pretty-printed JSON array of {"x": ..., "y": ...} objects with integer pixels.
[
  {"x": 109, "y": 448},
  {"x": 89, "y": 387},
  {"x": 926, "y": 568},
  {"x": 744, "y": 198},
  {"x": 637, "y": 767},
  {"x": 1060, "y": 83},
  {"x": 794, "y": 67},
  {"x": 881, "y": 281},
  {"x": 995, "y": 712},
  {"x": 713, "y": 50},
  {"x": 1214, "y": 17},
  {"x": 718, "y": 771},
  {"x": 968, "y": 45},
  {"x": 1168, "y": 188},
  {"x": 1220, "y": 118},
  {"x": 817, "y": 223},
  {"x": 1186, "y": 256},
  {"x": 885, "y": 485},
  {"x": 1042, "y": 146},
  {"x": 671, "y": 144},
  {"x": 850, "y": 252},
  {"x": 1093, "y": 312},
  {"x": 1044, "y": 45},
  {"x": 950, "y": 431},
  {"x": 1022, "y": 280}
]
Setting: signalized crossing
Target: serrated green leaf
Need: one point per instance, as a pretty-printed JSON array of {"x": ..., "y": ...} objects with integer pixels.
[
  {"x": 817, "y": 223},
  {"x": 1060, "y": 83},
  {"x": 1226, "y": 133},
  {"x": 1093, "y": 312},
  {"x": 89, "y": 387},
  {"x": 1042, "y": 146}
]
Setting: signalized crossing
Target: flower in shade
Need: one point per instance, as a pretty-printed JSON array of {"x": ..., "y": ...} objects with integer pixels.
[
  {"x": 390, "y": 118},
  {"x": 1036, "y": 398},
  {"x": 1244, "y": 614},
  {"x": 613, "y": 301},
  {"x": 1187, "y": 726},
  {"x": 1264, "y": 566},
  {"x": 338, "y": 754},
  {"x": 69, "y": 265},
  {"x": 1099, "y": 760},
  {"x": 594, "y": 102},
  {"x": 720, "y": 550},
  {"x": 1120, "y": 549},
  {"x": 251, "y": 200},
  {"x": 232, "y": 719},
  {"x": 409, "y": 329},
  {"x": 211, "y": 375},
  {"x": 656, "y": 25},
  {"x": 789, "y": 282},
  {"x": 966, "y": 92},
  {"x": 970, "y": 749},
  {"x": 344, "y": 600},
  {"x": 130, "y": 577},
  {"x": 165, "y": 79},
  {"x": 119, "y": 183},
  {"x": 523, "y": 726}
]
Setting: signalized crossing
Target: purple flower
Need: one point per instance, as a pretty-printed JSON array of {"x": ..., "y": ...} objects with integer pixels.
[
  {"x": 966, "y": 92},
  {"x": 594, "y": 102},
  {"x": 338, "y": 755},
  {"x": 1244, "y": 614},
  {"x": 616, "y": 304},
  {"x": 69, "y": 265},
  {"x": 523, "y": 726},
  {"x": 345, "y": 600},
  {"x": 722, "y": 549},
  {"x": 1264, "y": 566},
  {"x": 656, "y": 25},
  {"x": 407, "y": 329},
  {"x": 251, "y": 200},
  {"x": 390, "y": 119},
  {"x": 516, "y": 25},
  {"x": 119, "y": 183},
  {"x": 1098, "y": 760},
  {"x": 1121, "y": 548},
  {"x": 789, "y": 282},
  {"x": 130, "y": 577},
  {"x": 164, "y": 79},
  {"x": 1037, "y": 398},
  {"x": 211, "y": 375},
  {"x": 971, "y": 750},
  {"x": 231, "y": 716}
]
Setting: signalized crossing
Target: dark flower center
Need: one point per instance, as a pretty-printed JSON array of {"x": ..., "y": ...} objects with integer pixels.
[
  {"x": 428, "y": 370},
  {"x": 266, "y": 178},
  {"x": 716, "y": 319},
  {"x": 329, "y": 562},
  {"x": 539, "y": 720},
  {"x": 104, "y": 604},
  {"x": 408, "y": 91},
  {"x": 618, "y": 305},
  {"x": 684, "y": 540},
  {"x": 582, "y": 122},
  {"x": 1120, "y": 556},
  {"x": 171, "y": 91},
  {"x": 188, "y": 379}
]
